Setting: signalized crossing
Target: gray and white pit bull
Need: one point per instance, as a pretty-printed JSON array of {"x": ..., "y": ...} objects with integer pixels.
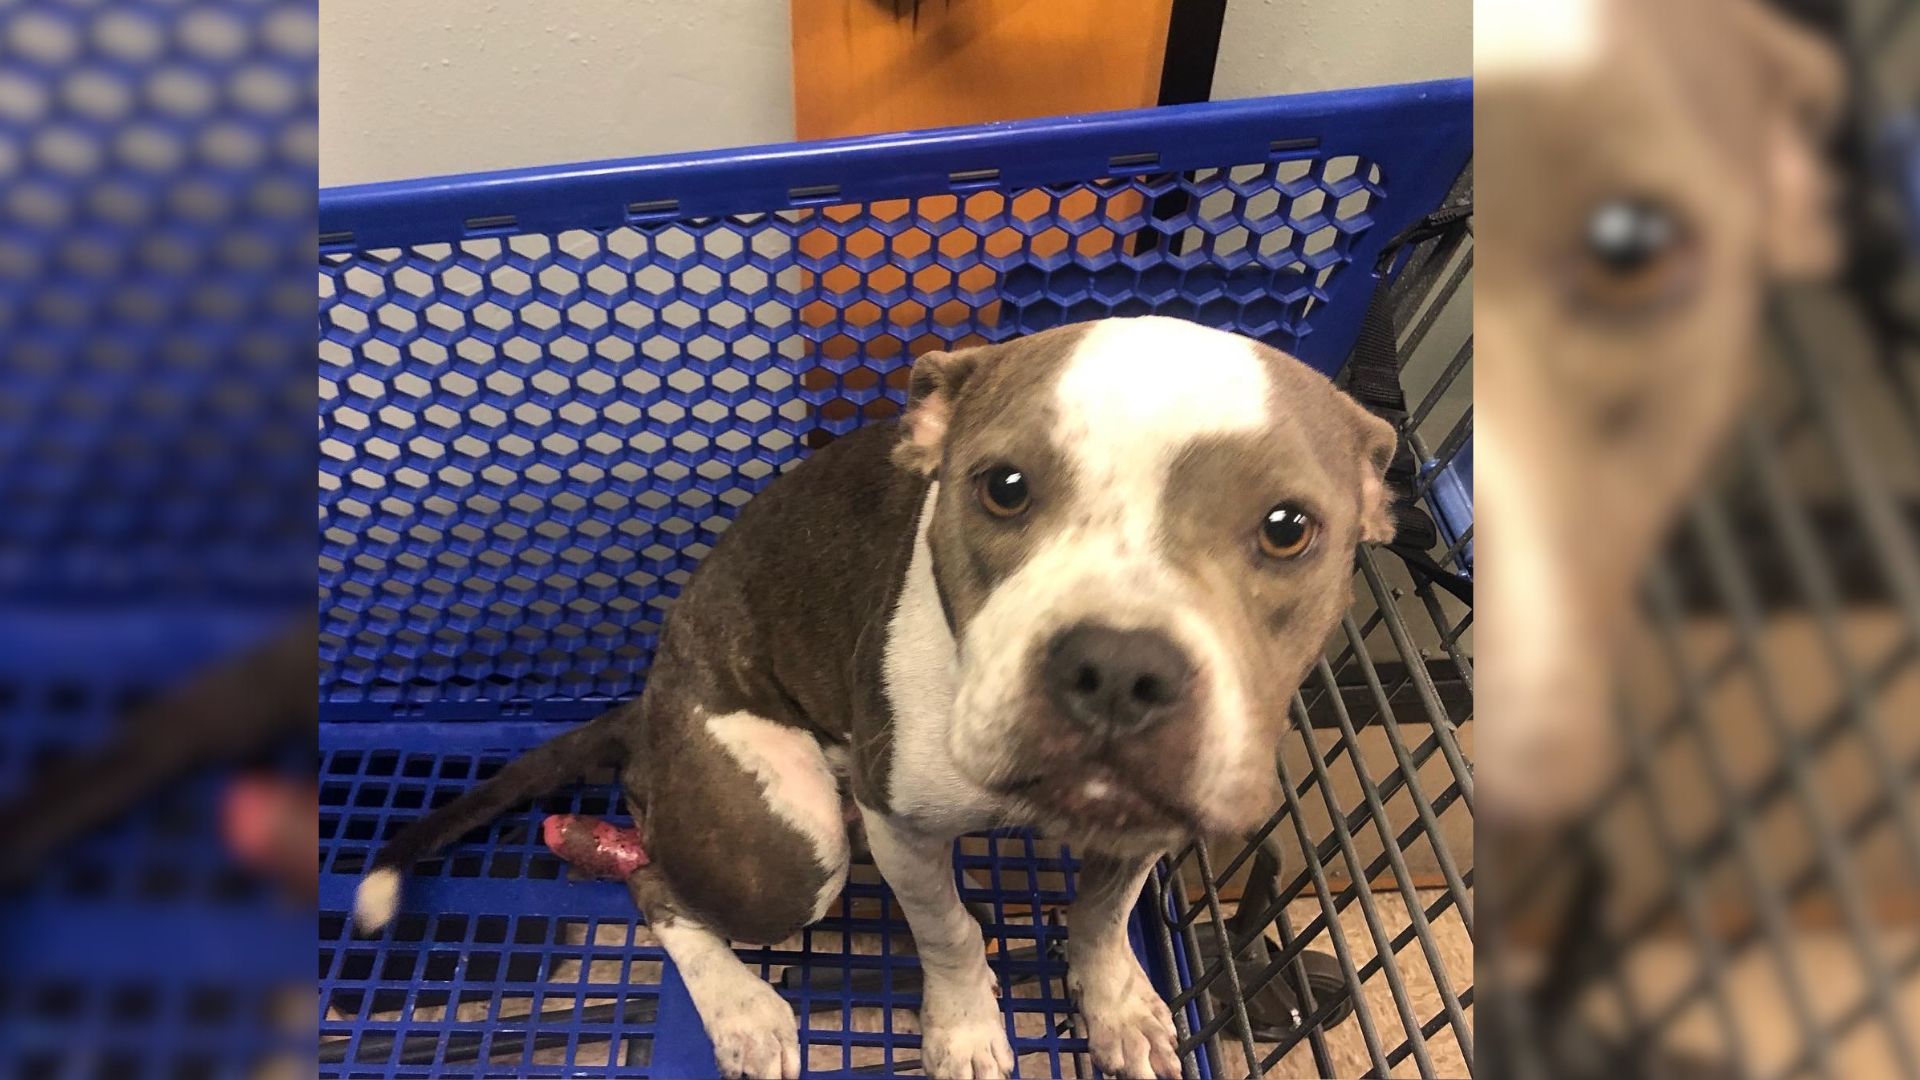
[{"x": 1074, "y": 588}]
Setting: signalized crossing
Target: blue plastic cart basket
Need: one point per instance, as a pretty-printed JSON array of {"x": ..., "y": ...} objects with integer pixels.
[{"x": 544, "y": 392}]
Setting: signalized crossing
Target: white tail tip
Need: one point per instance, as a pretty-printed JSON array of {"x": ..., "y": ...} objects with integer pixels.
[{"x": 375, "y": 901}]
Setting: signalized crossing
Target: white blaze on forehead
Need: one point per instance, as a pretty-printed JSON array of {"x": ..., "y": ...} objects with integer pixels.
[
  {"x": 1136, "y": 391},
  {"x": 1521, "y": 38}
]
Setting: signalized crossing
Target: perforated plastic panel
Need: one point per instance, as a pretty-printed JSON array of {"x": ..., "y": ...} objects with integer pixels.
[
  {"x": 508, "y": 967},
  {"x": 544, "y": 394},
  {"x": 543, "y": 403},
  {"x": 157, "y": 198}
]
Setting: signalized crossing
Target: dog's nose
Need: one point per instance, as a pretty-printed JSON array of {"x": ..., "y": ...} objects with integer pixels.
[{"x": 1114, "y": 681}]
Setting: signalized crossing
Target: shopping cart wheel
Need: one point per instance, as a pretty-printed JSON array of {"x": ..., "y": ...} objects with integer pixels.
[
  {"x": 1328, "y": 983},
  {"x": 1275, "y": 1010}
]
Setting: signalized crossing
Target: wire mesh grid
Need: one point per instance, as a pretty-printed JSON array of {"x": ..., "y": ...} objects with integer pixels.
[
  {"x": 1369, "y": 861},
  {"x": 530, "y": 437},
  {"x": 152, "y": 255}
]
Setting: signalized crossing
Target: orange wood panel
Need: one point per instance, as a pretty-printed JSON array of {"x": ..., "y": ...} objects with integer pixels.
[{"x": 865, "y": 66}]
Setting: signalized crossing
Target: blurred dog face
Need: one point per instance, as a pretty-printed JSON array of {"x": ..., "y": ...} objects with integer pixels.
[
  {"x": 1647, "y": 168},
  {"x": 1142, "y": 537}
]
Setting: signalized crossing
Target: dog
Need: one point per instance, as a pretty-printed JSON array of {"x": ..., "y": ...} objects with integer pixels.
[
  {"x": 1074, "y": 586},
  {"x": 1647, "y": 171}
]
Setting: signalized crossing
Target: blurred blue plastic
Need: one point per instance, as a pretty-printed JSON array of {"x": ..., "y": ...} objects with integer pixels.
[
  {"x": 1903, "y": 142},
  {"x": 1450, "y": 495},
  {"x": 544, "y": 393},
  {"x": 154, "y": 496}
]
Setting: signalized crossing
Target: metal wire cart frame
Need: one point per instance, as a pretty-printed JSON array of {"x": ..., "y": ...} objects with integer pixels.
[
  {"x": 544, "y": 392},
  {"x": 1356, "y": 898},
  {"x": 1739, "y": 902}
]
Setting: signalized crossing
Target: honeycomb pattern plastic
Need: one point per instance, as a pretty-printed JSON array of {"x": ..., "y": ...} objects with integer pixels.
[
  {"x": 158, "y": 197},
  {"x": 545, "y": 393}
]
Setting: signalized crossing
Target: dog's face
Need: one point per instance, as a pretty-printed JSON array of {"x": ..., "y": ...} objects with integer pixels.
[
  {"x": 1141, "y": 537},
  {"x": 1647, "y": 168}
]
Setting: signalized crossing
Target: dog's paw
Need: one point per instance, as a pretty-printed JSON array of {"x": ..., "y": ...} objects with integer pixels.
[
  {"x": 963, "y": 1034},
  {"x": 1129, "y": 1029},
  {"x": 755, "y": 1035}
]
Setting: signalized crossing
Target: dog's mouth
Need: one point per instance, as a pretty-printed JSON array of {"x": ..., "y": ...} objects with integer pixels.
[{"x": 1097, "y": 794}]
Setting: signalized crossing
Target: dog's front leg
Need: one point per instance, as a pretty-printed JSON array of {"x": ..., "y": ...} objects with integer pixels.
[
  {"x": 963, "y": 1033},
  {"x": 1129, "y": 1028}
]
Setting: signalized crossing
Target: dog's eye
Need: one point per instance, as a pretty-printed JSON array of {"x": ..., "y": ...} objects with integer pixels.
[
  {"x": 1636, "y": 255},
  {"x": 1003, "y": 491},
  {"x": 1287, "y": 531}
]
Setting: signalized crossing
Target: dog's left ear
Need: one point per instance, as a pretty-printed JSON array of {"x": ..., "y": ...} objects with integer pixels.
[
  {"x": 1375, "y": 441},
  {"x": 931, "y": 392}
]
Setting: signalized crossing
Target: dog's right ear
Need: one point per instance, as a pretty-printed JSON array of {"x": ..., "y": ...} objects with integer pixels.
[
  {"x": 1807, "y": 83},
  {"x": 931, "y": 393},
  {"x": 1376, "y": 441}
]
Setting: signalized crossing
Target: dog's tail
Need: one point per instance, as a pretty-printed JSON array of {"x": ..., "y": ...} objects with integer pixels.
[{"x": 551, "y": 765}]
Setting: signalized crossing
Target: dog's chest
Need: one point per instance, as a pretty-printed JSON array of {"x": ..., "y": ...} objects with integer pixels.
[{"x": 920, "y": 669}]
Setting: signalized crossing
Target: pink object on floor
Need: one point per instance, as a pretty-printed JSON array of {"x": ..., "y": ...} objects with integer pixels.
[
  {"x": 270, "y": 824},
  {"x": 596, "y": 848}
]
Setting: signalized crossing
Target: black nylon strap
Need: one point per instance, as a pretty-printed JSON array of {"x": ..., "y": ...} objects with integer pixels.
[
  {"x": 1373, "y": 379},
  {"x": 1373, "y": 372}
]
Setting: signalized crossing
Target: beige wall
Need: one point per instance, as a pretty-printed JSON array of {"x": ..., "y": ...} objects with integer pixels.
[
  {"x": 427, "y": 87},
  {"x": 1286, "y": 47}
]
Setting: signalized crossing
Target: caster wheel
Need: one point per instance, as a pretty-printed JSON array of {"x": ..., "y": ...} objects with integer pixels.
[
  {"x": 1275, "y": 1009},
  {"x": 1328, "y": 983}
]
